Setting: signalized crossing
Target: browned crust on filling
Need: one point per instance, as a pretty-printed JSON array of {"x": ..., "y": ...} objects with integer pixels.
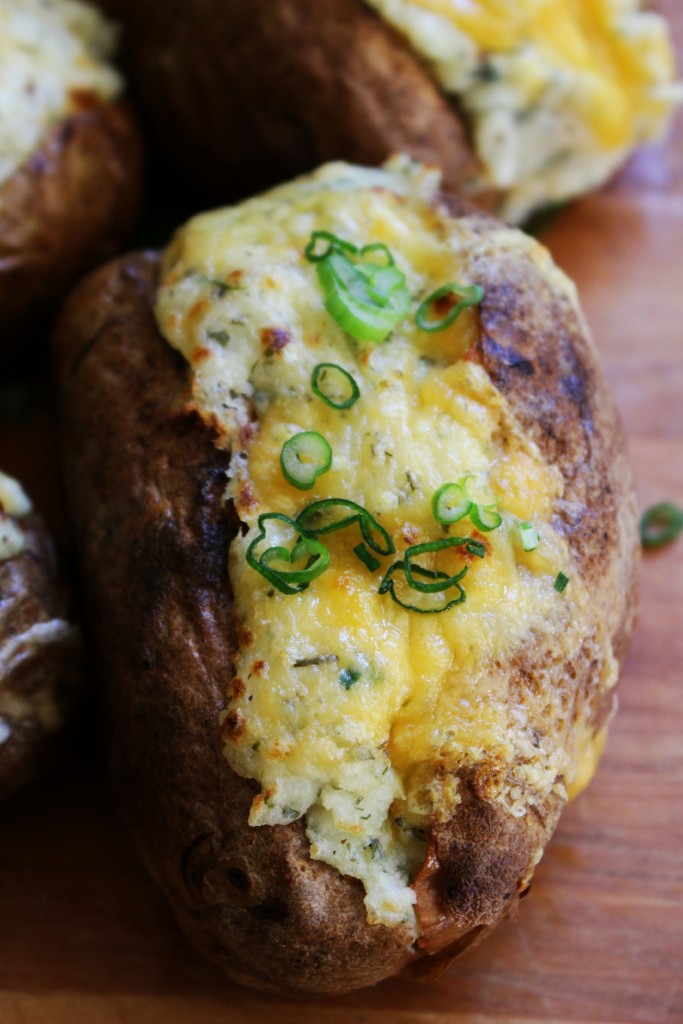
[
  {"x": 31, "y": 592},
  {"x": 146, "y": 486},
  {"x": 70, "y": 205}
]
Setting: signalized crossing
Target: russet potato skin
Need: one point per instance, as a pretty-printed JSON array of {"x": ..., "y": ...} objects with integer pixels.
[
  {"x": 145, "y": 484},
  {"x": 69, "y": 206},
  {"x": 33, "y": 592},
  {"x": 245, "y": 95}
]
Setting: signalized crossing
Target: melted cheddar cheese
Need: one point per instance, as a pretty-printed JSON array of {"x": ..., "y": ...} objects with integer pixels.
[
  {"x": 345, "y": 706},
  {"x": 53, "y": 57},
  {"x": 557, "y": 92},
  {"x": 14, "y": 504}
]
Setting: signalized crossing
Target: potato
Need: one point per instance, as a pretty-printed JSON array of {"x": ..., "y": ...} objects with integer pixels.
[
  {"x": 70, "y": 199},
  {"x": 254, "y": 844},
  {"x": 520, "y": 110},
  {"x": 40, "y": 652}
]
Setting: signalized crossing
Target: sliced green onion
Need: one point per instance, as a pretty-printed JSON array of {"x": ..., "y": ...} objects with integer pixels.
[
  {"x": 472, "y": 294},
  {"x": 334, "y": 385},
  {"x": 366, "y": 298},
  {"x": 450, "y": 503},
  {"x": 288, "y": 581},
  {"x": 304, "y": 458},
  {"x": 529, "y": 536},
  {"x": 319, "y": 518},
  {"x": 441, "y": 580},
  {"x": 366, "y": 557},
  {"x": 561, "y": 582},
  {"x": 485, "y": 517},
  {"x": 378, "y": 247},
  {"x": 335, "y": 244},
  {"x": 349, "y": 676},
  {"x": 388, "y": 586},
  {"x": 350, "y": 304},
  {"x": 660, "y": 524}
]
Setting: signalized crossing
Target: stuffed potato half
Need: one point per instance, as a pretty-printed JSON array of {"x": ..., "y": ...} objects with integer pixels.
[
  {"x": 40, "y": 648},
  {"x": 521, "y": 103},
  {"x": 70, "y": 156},
  {"x": 377, "y": 588}
]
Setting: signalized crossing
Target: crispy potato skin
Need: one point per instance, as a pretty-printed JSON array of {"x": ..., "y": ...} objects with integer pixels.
[
  {"x": 31, "y": 593},
  {"x": 69, "y": 206},
  {"x": 146, "y": 483},
  {"x": 243, "y": 95}
]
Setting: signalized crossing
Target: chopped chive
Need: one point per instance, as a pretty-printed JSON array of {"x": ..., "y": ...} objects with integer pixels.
[
  {"x": 366, "y": 557},
  {"x": 304, "y": 458},
  {"x": 334, "y": 385},
  {"x": 660, "y": 524},
  {"x": 561, "y": 582},
  {"x": 529, "y": 536}
]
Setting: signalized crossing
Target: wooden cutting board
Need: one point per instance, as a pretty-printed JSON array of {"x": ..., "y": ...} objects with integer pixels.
[{"x": 86, "y": 939}]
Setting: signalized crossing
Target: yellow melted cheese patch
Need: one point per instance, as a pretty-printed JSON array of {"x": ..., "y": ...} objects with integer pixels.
[
  {"x": 347, "y": 707},
  {"x": 557, "y": 91}
]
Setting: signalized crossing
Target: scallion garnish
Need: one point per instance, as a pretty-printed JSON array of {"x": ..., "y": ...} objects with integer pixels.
[
  {"x": 334, "y": 385},
  {"x": 367, "y": 299},
  {"x": 561, "y": 582},
  {"x": 470, "y": 295},
  {"x": 485, "y": 517},
  {"x": 366, "y": 557},
  {"x": 320, "y": 517},
  {"x": 450, "y": 503},
  {"x": 528, "y": 535},
  {"x": 304, "y": 458},
  {"x": 388, "y": 585},
  {"x": 288, "y": 581},
  {"x": 660, "y": 524}
]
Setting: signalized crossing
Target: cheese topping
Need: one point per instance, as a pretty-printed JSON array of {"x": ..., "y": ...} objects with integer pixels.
[
  {"x": 346, "y": 707},
  {"x": 13, "y": 505},
  {"x": 557, "y": 92},
  {"x": 53, "y": 57}
]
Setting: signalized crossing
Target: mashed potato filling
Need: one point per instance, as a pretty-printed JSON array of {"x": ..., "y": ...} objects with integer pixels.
[
  {"x": 53, "y": 57},
  {"x": 14, "y": 504},
  {"x": 347, "y": 707},
  {"x": 557, "y": 92}
]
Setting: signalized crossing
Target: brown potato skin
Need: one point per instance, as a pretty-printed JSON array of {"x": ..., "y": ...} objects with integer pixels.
[
  {"x": 70, "y": 205},
  {"x": 146, "y": 484},
  {"x": 32, "y": 592},
  {"x": 244, "y": 95}
]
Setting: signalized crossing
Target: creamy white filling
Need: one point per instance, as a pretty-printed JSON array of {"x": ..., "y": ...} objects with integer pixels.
[{"x": 50, "y": 50}]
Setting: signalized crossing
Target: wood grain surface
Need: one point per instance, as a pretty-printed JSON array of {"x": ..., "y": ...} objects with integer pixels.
[{"x": 86, "y": 939}]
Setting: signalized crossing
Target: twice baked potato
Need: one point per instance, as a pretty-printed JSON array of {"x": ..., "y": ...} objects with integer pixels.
[
  {"x": 70, "y": 157},
  {"x": 359, "y": 542},
  {"x": 40, "y": 648},
  {"x": 522, "y": 104}
]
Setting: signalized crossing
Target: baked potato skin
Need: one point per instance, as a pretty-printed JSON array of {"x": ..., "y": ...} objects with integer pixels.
[
  {"x": 70, "y": 205},
  {"x": 243, "y": 96},
  {"x": 34, "y": 672},
  {"x": 146, "y": 485}
]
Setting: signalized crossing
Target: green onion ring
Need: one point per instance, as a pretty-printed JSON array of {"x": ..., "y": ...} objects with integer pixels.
[
  {"x": 387, "y": 585},
  {"x": 366, "y": 557},
  {"x": 444, "y": 581},
  {"x": 472, "y": 294},
  {"x": 660, "y": 524},
  {"x": 305, "y": 457},
  {"x": 485, "y": 517},
  {"x": 334, "y": 379},
  {"x": 336, "y": 245},
  {"x": 450, "y": 504},
  {"x": 286, "y": 581},
  {"x": 368, "y": 524}
]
